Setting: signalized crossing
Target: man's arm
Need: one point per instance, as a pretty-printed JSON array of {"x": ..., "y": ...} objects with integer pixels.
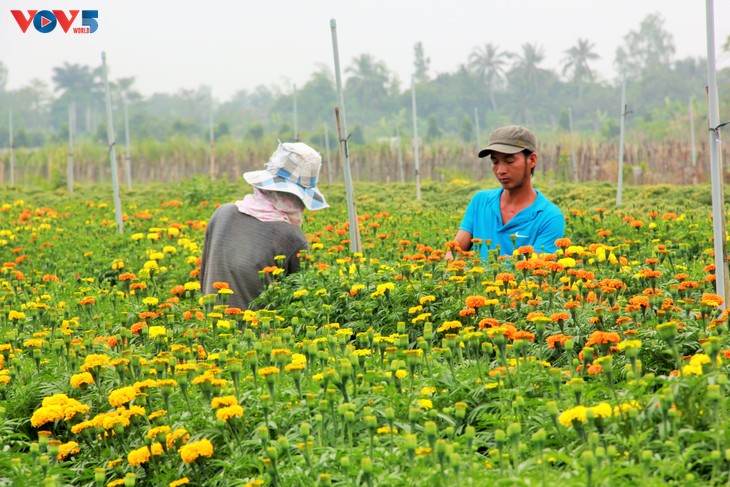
[{"x": 462, "y": 241}]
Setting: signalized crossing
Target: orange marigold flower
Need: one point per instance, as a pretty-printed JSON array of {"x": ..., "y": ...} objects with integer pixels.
[
  {"x": 488, "y": 323},
  {"x": 220, "y": 285},
  {"x": 602, "y": 338},
  {"x": 594, "y": 369},
  {"x": 475, "y": 301},
  {"x": 559, "y": 339}
]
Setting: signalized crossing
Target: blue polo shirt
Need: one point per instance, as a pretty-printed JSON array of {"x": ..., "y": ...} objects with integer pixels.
[{"x": 539, "y": 225}]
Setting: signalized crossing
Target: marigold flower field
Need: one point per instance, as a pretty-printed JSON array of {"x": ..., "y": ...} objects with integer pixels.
[{"x": 603, "y": 364}]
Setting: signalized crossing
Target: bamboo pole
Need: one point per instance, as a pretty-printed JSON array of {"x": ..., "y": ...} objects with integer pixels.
[
  {"x": 619, "y": 188},
  {"x": 401, "y": 172},
  {"x": 343, "y": 136},
  {"x": 211, "y": 167},
  {"x": 718, "y": 197},
  {"x": 71, "y": 126},
  {"x": 11, "y": 142},
  {"x": 112, "y": 152},
  {"x": 479, "y": 141},
  {"x": 572, "y": 146},
  {"x": 128, "y": 158},
  {"x": 693, "y": 147},
  {"x": 415, "y": 140},
  {"x": 296, "y": 116},
  {"x": 327, "y": 148}
]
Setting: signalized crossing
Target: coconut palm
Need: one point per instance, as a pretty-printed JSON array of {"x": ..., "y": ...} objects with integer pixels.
[
  {"x": 577, "y": 61},
  {"x": 368, "y": 81},
  {"x": 489, "y": 64}
]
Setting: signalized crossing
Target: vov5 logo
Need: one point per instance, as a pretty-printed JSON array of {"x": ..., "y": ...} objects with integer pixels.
[{"x": 45, "y": 21}]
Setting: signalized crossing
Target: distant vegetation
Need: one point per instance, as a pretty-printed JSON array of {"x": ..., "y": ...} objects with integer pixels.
[{"x": 500, "y": 85}]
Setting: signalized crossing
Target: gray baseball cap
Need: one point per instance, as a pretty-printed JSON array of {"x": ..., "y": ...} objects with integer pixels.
[{"x": 510, "y": 140}]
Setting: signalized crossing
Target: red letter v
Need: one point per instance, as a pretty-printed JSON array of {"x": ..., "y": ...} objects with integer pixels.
[
  {"x": 63, "y": 20},
  {"x": 21, "y": 20}
]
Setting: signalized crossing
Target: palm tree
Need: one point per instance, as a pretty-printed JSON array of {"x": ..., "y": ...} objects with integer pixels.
[
  {"x": 368, "y": 81},
  {"x": 489, "y": 64},
  {"x": 80, "y": 84},
  {"x": 577, "y": 60},
  {"x": 528, "y": 79}
]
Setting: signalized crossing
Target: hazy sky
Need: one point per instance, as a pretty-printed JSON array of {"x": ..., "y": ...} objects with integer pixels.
[{"x": 232, "y": 45}]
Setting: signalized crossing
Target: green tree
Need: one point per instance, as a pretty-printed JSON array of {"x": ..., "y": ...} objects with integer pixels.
[
  {"x": 368, "y": 83},
  {"x": 489, "y": 64},
  {"x": 421, "y": 64},
  {"x": 433, "y": 131},
  {"x": 649, "y": 46},
  {"x": 467, "y": 129},
  {"x": 576, "y": 62},
  {"x": 529, "y": 83},
  {"x": 79, "y": 84},
  {"x": 3, "y": 77}
]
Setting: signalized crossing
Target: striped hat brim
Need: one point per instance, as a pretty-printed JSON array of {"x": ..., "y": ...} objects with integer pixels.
[{"x": 312, "y": 198}]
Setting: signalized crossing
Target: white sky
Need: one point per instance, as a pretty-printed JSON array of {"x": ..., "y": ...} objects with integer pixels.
[{"x": 231, "y": 45}]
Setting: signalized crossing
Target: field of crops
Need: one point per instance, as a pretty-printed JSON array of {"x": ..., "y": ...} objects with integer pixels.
[{"x": 605, "y": 364}]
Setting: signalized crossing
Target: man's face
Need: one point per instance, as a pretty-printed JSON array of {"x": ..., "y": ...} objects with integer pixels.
[{"x": 512, "y": 170}]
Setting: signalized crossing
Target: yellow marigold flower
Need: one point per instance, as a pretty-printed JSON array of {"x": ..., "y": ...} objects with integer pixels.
[
  {"x": 179, "y": 482},
  {"x": 94, "y": 360},
  {"x": 157, "y": 449},
  {"x": 385, "y": 430},
  {"x": 78, "y": 428},
  {"x": 139, "y": 456},
  {"x": 223, "y": 401},
  {"x": 46, "y": 414},
  {"x": 571, "y": 415},
  {"x": 267, "y": 371},
  {"x": 449, "y": 325},
  {"x": 192, "y": 286},
  {"x": 67, "y": 449},
  {"x": 427, "y": 299},
  {"x": 84, "y": 378},
  {"x": 295, "y": 366},
  {"x": 197, "y": 449},
  {"x": 16, "y": 315},
  {"x": 401, "y": 374},
  {"x": 629, "y": 344},
  {"x": 299, "y": 358},
  {"x": 34, "y": 343},
  {"x": 228, "y": 412},
  {"x": 180, "y": 434},
  {"x": 157, "y": 414},
  {"x": 602, "y": 410},
  {"x": 428, "y": 391},
  {"x": 155, "y": 331},
  {"x": 425, "y": 404},
  {"x": 121, "y": 396},
  {"x": 158, "y": 430}
]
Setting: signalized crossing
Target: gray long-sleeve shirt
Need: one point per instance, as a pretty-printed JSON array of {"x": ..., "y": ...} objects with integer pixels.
[{"x": 237, "y": 246}]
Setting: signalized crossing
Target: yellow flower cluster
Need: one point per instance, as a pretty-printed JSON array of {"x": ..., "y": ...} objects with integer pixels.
[
  {"x": 157, "y": 331},
  {"x": 579, "y": 414},
  {"x": 228, "y": 412},
  {"x": 55, "y": 408},
  {"x": 121, "y": 396},
  {"x": 139, "y": 456},
  {"x": 79, "y": 380},
  {"x": 267, "y": 371},
  {"x": 94, "y": 360},
  {"x": 695, "y": 364},
  {"x": 67, "y": 449},
  {"x": 195, "y": 450}
]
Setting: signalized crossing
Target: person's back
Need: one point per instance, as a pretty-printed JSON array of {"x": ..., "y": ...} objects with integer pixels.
[
  {"x": 239, "y": 246},
  {"x": 244, "y": 238}
]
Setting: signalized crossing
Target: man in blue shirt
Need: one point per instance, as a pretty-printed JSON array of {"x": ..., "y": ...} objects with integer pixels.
[{"x": 516, "y": 214}]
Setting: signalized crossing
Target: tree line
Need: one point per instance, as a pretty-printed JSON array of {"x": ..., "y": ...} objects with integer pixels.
[{"x": 496, "y": 84}]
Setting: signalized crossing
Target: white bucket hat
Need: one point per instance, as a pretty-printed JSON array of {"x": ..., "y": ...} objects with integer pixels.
[{"x": 293, "y": 168}]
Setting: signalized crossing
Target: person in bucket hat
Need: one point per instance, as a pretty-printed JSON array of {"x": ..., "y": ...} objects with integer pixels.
[
  {"x": 516, "y": 214},
  {"x": 246, "y": 240}
]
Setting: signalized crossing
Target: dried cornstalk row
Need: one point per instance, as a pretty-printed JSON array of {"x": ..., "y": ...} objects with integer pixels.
[{"x": 665, "y": 162}]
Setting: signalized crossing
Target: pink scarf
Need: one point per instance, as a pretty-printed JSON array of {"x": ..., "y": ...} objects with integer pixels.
[{"x": 272, "y": 206}]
